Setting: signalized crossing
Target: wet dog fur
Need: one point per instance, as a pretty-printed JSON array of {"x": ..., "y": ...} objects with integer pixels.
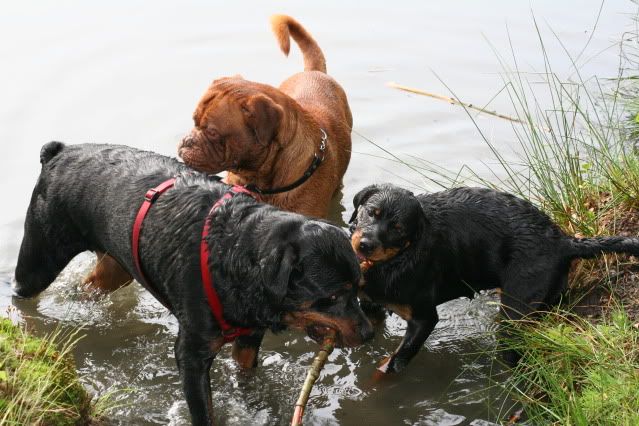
[
  {"x": 266, "y": 136},
  {"x": 271, "y": 268},
  {"x": 418, "y": 251}
]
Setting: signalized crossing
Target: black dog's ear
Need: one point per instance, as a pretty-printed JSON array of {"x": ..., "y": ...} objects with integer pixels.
[
  {"x": 277, "y": 269},
  {"x": 50, "y": 150},
  {"x": 361, "y": 197}
]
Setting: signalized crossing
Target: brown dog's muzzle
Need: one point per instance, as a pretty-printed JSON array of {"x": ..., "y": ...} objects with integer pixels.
[
  {"x": 187, "y": 142},
  {"x": 318, "y": 326},
  {"x": 198, "y": 153}
]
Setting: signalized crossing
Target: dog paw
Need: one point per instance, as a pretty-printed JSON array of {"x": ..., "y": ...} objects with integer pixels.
[
  {"x": 387, "y": 365},
  {"x": 391, "y": 364}
]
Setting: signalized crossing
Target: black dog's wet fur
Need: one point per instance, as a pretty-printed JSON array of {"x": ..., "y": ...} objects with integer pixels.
[
  {"x": 264, "y": 262},
  {"x": 461, "y": 241}
]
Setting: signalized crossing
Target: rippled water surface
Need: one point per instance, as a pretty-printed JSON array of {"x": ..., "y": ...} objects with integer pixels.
[{"x": 131, "y": 73}]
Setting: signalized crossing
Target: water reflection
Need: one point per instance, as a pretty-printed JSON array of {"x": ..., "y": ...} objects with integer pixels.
[{"x": 122, "y": 72}]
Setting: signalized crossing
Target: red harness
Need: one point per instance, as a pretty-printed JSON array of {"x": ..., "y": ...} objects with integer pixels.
[{"x": 229, "y": 333}]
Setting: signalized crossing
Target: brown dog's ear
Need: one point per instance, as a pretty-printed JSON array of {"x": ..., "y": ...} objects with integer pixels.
[
  {"x": 264, "y": 116},
  {"x": 361, "y": 197}
]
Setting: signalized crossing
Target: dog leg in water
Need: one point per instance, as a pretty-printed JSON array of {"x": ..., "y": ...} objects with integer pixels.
[
  {"x": 194, "y": 356},
  {"x": 246, "y": 348},
  {"x": 417, "y": 331},
  {"x": 107, "y": 276}
]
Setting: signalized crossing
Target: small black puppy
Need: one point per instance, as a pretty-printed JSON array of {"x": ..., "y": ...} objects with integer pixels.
[
  {"x": 417, "y": 252},
  {"x": 270, "y": 268}
]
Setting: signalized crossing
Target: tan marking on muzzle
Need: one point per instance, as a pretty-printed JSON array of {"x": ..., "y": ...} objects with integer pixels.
[
  {"x": 355, "y": 239},
  {"x": 381, "y": 254}
]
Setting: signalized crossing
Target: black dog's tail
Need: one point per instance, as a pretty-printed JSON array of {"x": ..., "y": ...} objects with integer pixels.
[
  {"x": 587, "y": 248},
  {"x": 50, "y": 150}
]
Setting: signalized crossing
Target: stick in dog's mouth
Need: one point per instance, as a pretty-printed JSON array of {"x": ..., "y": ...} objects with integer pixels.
[{"x": 319, "y": 326}]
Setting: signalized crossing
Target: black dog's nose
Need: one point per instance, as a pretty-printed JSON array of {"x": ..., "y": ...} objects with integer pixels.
[{"x": 365, "y": 246}]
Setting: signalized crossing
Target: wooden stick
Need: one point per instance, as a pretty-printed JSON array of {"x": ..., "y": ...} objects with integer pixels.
[
  {"x": 311, "y": 377},
  {"x": 452, "y": 101}
]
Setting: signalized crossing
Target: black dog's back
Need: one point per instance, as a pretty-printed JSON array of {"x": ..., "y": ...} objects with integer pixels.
[
  {"x": 478, "y": 233},
  {"x": 86, "y": 191},
  {"x": 509, "y": 224}
]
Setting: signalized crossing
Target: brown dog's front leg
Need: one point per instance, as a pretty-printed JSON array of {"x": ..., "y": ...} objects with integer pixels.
[
  {"x": 417, "y": 331},
  {"x": 107, "y": 276},
  {"x": 246, "y": 348},
  {"x": 194, "y": 356}
]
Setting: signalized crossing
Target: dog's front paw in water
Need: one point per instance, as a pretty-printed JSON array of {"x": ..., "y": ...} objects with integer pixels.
[
  {"x": 391, "y": 364},
  {"x": 386, "y": 367}
]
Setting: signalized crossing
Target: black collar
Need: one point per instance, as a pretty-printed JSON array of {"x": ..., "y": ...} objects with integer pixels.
[{"x": 317, "y": 160}]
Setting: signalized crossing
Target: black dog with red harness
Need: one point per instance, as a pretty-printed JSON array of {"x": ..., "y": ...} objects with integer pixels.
[{"x": 223, "y": 271}]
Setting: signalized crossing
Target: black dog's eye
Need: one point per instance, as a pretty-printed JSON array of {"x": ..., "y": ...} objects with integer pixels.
[
  {"x": 398, "y": 227},
  {"x": 325, "y": 302},
  {"x": 373, "y": 212}
]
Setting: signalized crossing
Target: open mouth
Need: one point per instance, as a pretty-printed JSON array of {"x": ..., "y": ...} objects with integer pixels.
[
  {"x": 364, "y": 262},
  {"x": 319, "y": 332}
]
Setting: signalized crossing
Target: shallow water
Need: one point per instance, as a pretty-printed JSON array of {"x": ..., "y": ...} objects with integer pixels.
[{"x": 129, "y": 73}]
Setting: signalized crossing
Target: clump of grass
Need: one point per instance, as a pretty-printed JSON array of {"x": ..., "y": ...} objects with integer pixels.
[
  {"x": 38, "y": 381},
  {"x": 574, "y": 372},
  {"x": 578, "y": 162}
]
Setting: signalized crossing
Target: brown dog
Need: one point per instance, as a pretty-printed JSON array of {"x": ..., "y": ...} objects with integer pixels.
[
  {"x": 270, "y": 137},
  {"x": 267, "y": 137}
]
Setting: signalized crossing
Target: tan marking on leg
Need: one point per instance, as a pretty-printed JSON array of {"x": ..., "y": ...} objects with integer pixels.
[
  {"x": 245, "y": 357},
  {"x": 404, "y": 311}
]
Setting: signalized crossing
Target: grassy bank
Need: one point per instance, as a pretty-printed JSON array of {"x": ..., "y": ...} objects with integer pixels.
[
  {"x": 38, "y": 381},
  {"x": 577, "y": 140},
  {"x": 574, "y": 372},
  {"x": 579, "y": 164}
]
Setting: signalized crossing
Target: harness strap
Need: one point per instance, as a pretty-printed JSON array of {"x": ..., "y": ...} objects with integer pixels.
[
  {"x": 229, "y": 333},
  {"x": 149, "y": 198}
]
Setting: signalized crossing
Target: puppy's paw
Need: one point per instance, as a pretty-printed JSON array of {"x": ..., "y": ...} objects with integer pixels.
[{"x": 392, "y": 364}]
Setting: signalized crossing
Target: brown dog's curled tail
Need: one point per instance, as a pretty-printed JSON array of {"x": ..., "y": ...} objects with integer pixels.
[{"x": 284, "y": 27}]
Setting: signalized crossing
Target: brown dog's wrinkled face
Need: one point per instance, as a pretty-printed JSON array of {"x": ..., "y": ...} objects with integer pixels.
[
  {"x": 236, "y": 123},
  {"x": 386, "y": 221}
]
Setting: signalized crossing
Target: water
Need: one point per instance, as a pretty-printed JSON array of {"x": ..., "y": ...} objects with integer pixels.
[{"x": 131, "y": 73}]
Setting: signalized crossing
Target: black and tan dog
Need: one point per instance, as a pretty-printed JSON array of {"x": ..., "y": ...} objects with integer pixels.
[
  {"x": 420, "y": 251},
  {"x": 270, "y": 268}
]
